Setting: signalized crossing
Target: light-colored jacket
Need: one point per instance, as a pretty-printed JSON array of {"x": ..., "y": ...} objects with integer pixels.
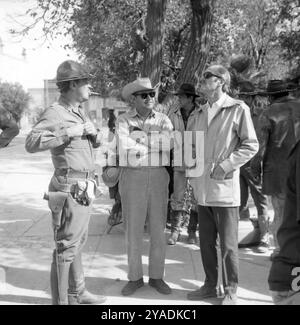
[{"x": 229, "y": 141}]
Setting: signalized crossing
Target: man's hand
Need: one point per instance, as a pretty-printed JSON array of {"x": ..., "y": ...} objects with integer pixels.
[
  {"x": 89, "y": 128},
  {"x": 75, "y": 131},
  {"x": 218, "y": 173}
]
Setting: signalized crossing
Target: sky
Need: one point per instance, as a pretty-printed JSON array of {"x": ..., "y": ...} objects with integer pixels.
[{"x": 41, "y": 59}]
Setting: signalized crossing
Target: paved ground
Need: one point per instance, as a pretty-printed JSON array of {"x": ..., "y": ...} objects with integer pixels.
[{"x": 26, "y": 246}]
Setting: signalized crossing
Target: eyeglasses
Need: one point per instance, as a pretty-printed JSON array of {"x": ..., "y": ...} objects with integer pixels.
[
  {"x": 208, "y": 75},
  {"x": 145, "y": 95}
]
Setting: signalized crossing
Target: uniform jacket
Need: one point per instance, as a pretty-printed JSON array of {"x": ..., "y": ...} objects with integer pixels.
[
  {"x": 50, "y": 132},
  {"x": 278, "y": 132},
  {"x": 229, "y": 141},
  {"x": 9, "y": 128}
]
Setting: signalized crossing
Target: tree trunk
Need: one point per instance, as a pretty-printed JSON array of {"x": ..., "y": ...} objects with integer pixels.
[
  {"x": 199, "y": 45},
  {"x": 155, "y": 19}
]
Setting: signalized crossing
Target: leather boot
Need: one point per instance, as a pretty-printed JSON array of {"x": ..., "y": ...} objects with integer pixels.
[
  {"x": 76, "y": 276},
  {"x": 77, "y": 293},
  {"x": 59, "y": 277},
  {"x": 85, "y": 298}
]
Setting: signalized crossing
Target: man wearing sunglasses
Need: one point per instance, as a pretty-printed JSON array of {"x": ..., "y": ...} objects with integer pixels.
[
  {"x": 229, "y": 142},
  {"x": 144, "y": 182}
]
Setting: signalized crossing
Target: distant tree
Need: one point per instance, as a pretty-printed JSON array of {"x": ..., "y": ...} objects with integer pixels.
[
  {"x": 14, "y": 98},
  {"x": 124, "y": 38},
  {"x": 289, "y": 36}
]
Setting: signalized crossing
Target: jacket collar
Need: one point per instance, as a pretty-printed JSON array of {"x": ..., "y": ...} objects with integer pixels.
[{"x": 228, "y": 102}]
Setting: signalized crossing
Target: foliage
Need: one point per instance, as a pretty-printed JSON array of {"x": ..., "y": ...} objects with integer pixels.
[
  {"x": 14, "y": 98},
  {"x": 267, "y": 31}
]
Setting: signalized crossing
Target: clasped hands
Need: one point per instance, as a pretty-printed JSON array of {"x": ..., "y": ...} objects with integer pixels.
[{"x": 78, "y": 130}]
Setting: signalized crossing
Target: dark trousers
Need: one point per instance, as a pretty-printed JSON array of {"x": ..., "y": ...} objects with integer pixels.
[
  {"x": 222, "y": 221},
  {"x": 248, "y": 182}
]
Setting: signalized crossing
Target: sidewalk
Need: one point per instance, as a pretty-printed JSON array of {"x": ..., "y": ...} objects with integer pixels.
[{"x": 26, "y": 244}]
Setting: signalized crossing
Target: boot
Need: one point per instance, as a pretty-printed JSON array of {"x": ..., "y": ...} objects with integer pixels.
[
  {"x": 173, "y": 238},
  {"x": 192, "y": 238},
  {"x": 264, "y": 245},
  {"x": 76, "y": 276},
  {"x": 176, "y": 223},
  {"x": 59, "y": 276},
  {"x": 85, "y": 298},
  {"x": 192, "y": 227}
]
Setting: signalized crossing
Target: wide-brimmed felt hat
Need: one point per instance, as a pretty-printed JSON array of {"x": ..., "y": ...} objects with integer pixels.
[
  {"x": 140, "y": 84},
  {"x": 279, "y": 86},
  {"x": 186, "y": 89},
  {"x": 71, "y": 70},
  {"x": 246, "y": 88},
  {"x": 110, "y": 175}
]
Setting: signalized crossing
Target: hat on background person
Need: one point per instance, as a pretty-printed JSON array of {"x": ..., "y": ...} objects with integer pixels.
[
  {"x": 187, "y": 89},
  {"x": 278, "y": 86},
  {"x": 140, "y": 84},
  {"x": 110, "y": 175},
  {"x": 71, "y": 70},
  {"x": 220, "y": 72}
]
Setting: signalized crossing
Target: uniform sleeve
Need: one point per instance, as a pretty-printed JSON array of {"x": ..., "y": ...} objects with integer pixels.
[
  {"x": 9, "y": 128},
  {"x": 48, "y": 133},
  {"x": 248, "y": 145}
]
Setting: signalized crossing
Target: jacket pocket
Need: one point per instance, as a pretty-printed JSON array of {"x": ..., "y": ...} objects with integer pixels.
[{"x": 220, "y": 191}]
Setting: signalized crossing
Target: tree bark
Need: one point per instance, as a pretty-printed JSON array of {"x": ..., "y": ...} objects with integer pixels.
[
  {"x": 156, "y": 10},
  {"x": 199, "y": 45}
]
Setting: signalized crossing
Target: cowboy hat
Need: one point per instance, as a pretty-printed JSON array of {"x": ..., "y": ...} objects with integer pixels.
[
  {"x": 278, "y": 86},
  {"x": 140, "y": 84},
  {"x": 110, "y": 176},
  {"x": 246, "y": 88},
  {"x": 187, "y": 89}
]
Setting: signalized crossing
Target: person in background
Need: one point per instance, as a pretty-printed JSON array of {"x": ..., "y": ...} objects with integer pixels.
[
  {"x": 284, "y": 275},
  {"x": 248, "y": 182},
  {"x": 9, "y": 127},
  {"x": 278, "y": 128},
  {"x": 181, "y": 118}
]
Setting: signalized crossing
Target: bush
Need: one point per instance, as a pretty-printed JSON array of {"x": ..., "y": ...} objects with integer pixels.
[{"x": 14, "y": 98}]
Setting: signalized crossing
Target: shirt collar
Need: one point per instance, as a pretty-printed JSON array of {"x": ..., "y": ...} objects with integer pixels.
[
  {"x": 219, "y": 103},
  {"x": 133, "y": 113},
  {"x": 63, "y": 102}
]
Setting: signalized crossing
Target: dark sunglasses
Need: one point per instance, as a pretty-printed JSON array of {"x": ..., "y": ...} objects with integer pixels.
[
  {"x": 145, "y": 95},
  {"x": 208, "y": 75}
]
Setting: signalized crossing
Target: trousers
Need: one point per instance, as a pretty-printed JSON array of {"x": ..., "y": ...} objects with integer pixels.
[
  {"x": 144, "y": 195},
  {"x": 222, "y": 221}
]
